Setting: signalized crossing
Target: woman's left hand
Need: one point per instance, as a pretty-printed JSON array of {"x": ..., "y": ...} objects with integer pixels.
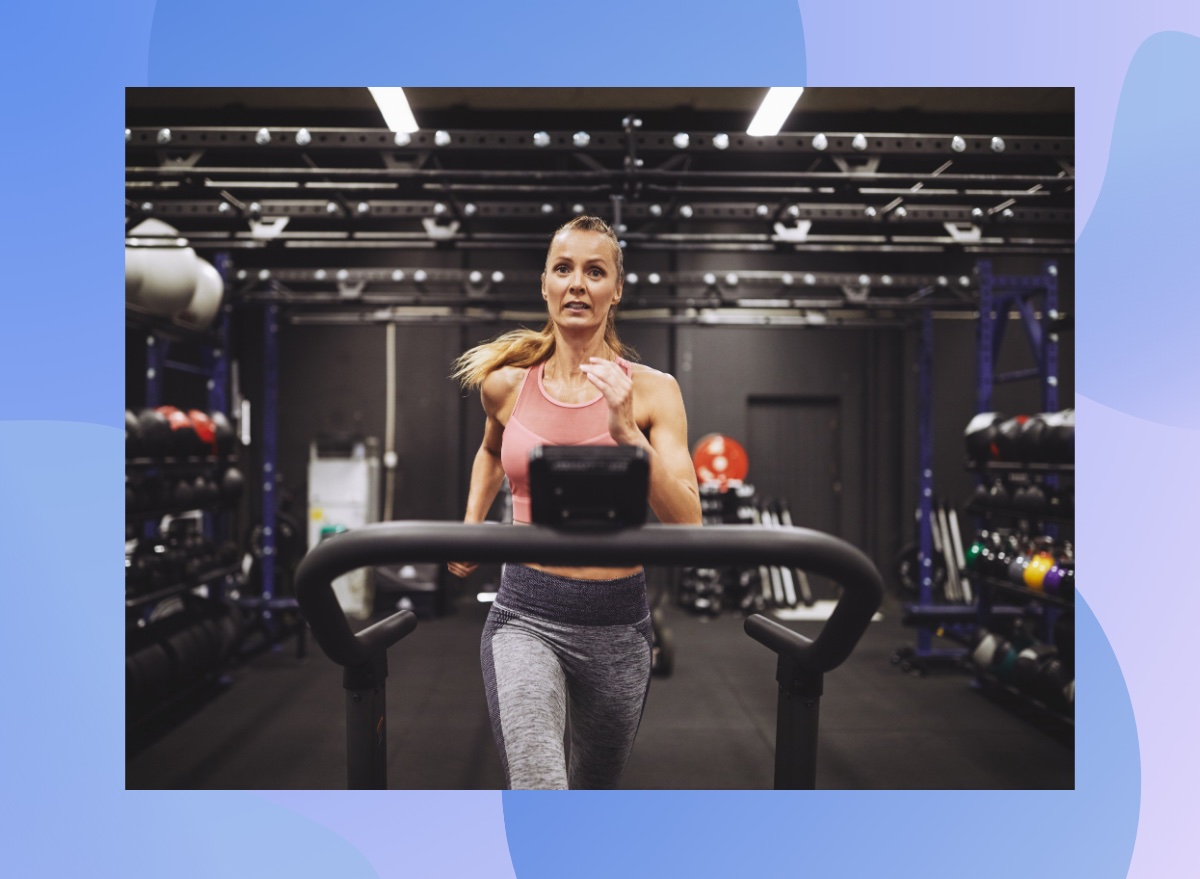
[{"x": 617, "y": 388}]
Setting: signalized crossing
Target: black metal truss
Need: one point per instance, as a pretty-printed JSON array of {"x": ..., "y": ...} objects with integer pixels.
[
  {"x": 369, "y": 209},
  {"x": 635, "y": 140},
  {"x": 876, "y": 194}
]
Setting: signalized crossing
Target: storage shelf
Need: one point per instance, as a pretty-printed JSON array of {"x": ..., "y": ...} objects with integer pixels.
[
  {"x": 1053, "y": 720},
  {"x": 1013, "y": 588},
  {"x": 173, "y": 464},
  {"x": 1016, "y": 513},
  {"x": 1020, "y": 467},
  {"x": 179, "y": 588},
  {"x": 219, "y": 506}
]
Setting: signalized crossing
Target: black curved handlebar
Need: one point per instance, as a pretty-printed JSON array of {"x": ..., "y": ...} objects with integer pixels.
[{"x": 711, "y": 545}]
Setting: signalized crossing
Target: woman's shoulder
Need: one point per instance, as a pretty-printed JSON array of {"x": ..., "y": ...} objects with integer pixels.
[
  {"x": 651, "y": 376},
  {"x": 500, "y": 386},
  {"x": 652, "y": 384}
]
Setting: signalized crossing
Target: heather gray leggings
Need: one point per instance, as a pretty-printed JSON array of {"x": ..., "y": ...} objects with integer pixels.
[{"x": 555, "y": 647}]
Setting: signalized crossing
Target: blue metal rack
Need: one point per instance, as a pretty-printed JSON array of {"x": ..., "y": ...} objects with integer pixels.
[
  {"x": 214, "y": 368},
  {"x": 267, "y": 602},
  {"x": 998, "y": 295}
]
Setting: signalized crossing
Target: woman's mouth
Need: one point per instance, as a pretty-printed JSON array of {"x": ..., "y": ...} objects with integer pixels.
[{"x": 575, "y": 306}]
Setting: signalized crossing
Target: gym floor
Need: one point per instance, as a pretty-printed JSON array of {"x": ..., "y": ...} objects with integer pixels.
[{"x": 710, "y": 725}]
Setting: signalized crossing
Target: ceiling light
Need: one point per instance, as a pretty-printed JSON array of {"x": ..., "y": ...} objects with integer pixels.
[
  {"x": 774, "y": 111},
  {"x": 681, "y": 141},
  {"x": 721, "y": 141},
  {"x": 397, "y": 115}
]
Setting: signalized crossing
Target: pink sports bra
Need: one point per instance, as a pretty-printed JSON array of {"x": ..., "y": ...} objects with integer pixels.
[{"x": 538, "y": 419}]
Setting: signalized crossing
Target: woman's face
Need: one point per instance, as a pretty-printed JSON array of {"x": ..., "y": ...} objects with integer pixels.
[{"x": 580, "y": 283}]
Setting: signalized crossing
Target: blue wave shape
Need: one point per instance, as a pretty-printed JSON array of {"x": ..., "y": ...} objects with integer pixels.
[
  {"x": 533, "y": 43},
  {"x": 1136, "y": 282},
  {"x": 1086, "y": 832}
]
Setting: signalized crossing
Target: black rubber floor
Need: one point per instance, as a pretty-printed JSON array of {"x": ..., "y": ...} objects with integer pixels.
[{"x": 281, "y": 722}]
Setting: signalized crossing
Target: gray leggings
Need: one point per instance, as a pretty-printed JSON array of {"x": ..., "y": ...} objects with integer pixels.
[{"x": 556, "y": 646}]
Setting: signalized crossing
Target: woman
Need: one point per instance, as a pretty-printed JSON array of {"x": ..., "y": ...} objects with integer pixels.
[{"x": 571, "y": 640}]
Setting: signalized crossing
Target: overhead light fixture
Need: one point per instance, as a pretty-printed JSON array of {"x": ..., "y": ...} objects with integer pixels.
[
  {"x": 397, "y": 115},
  {"x": 774, "y": 111}
]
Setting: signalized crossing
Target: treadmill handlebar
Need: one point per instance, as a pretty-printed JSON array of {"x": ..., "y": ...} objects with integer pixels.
[{"x": 710, "y": 546}]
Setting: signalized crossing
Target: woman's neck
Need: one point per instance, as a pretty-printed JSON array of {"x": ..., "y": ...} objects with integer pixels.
[{"x": 563, "y": 365}]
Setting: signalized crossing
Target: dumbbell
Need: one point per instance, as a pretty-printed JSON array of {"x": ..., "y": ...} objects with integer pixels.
[{"x": 998, "y": 495}]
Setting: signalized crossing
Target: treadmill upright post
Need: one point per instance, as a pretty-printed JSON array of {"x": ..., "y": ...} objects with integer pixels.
[
  {"x": 796, "y": 722},
  {"x": 366, "y": 723}
]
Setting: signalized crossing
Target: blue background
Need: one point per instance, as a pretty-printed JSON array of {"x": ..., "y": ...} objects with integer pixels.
[{"x": 66, "y": 65}]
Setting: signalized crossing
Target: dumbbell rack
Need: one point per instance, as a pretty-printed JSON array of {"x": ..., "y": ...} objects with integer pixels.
[{"x": 997, "y": 295}]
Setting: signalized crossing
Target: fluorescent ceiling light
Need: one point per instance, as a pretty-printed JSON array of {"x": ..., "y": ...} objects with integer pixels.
[
  {"x": 774, "y": 111},
  {"x": 394, "y": 106}
]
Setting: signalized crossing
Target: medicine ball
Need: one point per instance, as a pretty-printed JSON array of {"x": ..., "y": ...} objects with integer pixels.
[
  {"x": 1035, "y": 571},
  {"x": 205, "y": 430},
  {"x": 1006, "y": 441},
  {"x": 1029, "y": 439},
  {"x": 205, "y": 303},
  {"x": 183, "y": 495},
  {"x": 1064, "y": 639},
  {"x": 155, "y": 433},
  {"x": 1059, "y": 440},
  {"x": 232, "y": 484},
  {"x": 133, "y": 436},
  {"x": 980, "y": 436},
  {"x": 160, "y": 269},
  {"x": 1029, "y": 662},
  {"x": 223, "y": 431},
  {"x": 183, "y": 443}
]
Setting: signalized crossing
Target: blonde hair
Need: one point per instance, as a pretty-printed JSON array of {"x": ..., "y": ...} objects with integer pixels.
[{"x": 526, "y": 347}]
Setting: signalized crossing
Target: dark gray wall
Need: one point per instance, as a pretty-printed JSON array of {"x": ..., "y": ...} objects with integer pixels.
[{"x": 332, "y": 381}]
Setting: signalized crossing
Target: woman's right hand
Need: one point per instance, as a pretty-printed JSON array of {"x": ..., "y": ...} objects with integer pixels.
[{"x": 462, "y": 569}]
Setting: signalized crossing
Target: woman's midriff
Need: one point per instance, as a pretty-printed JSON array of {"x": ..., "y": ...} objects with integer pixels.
[{"x": 583, "y": 573}]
